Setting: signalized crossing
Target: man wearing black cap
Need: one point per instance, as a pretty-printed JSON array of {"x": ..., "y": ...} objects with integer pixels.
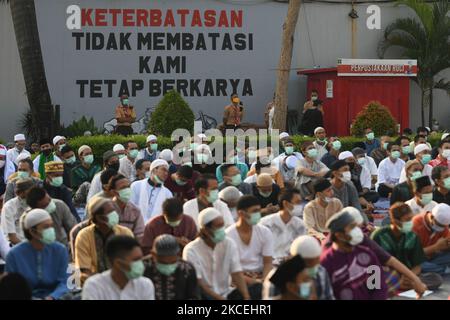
[
  {"x": 318, "y": 211},
  {"x": 110, "y": 161},
  {"x": 347, "y": 262},
  {"x": 45, "y": 156},
  {"x": 125, "y": 116},
  {"x": 423, "y": 196}
]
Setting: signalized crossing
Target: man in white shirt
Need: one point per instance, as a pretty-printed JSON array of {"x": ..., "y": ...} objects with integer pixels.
[
  {"x": 12, "y": 211},
  {"x": 151, "y": 152},
  {"x": 149, "y": 194},
  {"x": 214, "y": 258},
  {"x": 423, "y": 196},
  {"x": 286, "y": 225},
  {"x": 287, "y": 161},
  {"x": 389, "y": 170},
  {"x": 207, "y": 190},
  {"x": 127, "y": 163},
  {"x": 423, "y": 155},
  {"x": 120, "y": 151},
  {"x": 12, "y": 154},
  {"x": 124, "y": 281},
  {"x": 254, "y": 241},
  {"x": 321, "y": 142}
]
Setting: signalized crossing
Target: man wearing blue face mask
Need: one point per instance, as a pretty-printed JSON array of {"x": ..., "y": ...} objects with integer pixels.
[
  {"x": 180, "y": 183},
  {"x": 207, "y": 190},
  {"x": 214, "y": 258},
  {"x": 125, "y": 116},
  {"x": 371, "y": 143},
  {"x": 124, "y": 281},
  {"x": 86, "y": 170},
  {"x": 174, "y": 278},
  {"x": 422, "y": 154},
  {"x": 127, "y": 167},
  {"x": 55, "y": 188},
  {"x": 389, "y": 170},
  {"x": 254, "y": 241},
  {"x": 423, "y": 196},
  {"x": 232, "y": 177}
]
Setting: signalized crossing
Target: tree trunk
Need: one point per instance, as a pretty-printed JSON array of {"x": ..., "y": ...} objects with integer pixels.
[
  {"x": 284, "y": 65},
  {"x": 422, "y": 106},
  {"x": 430, "y": 111},
  {"x": 27, "y": 36}
]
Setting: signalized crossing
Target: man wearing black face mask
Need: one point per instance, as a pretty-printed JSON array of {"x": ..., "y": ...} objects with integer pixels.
[
  {"x": 45, "y": 156},
  {"x": 110, "y": 161}
]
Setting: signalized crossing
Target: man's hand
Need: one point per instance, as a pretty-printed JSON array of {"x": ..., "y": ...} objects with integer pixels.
[
  {"x": 420, "y": 288},
  {"x": 442, "y": 244}
]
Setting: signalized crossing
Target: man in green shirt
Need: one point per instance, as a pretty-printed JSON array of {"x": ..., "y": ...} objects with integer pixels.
[
  {"x": 86, "y": 170},
  {"x": 399, "y": 240}
]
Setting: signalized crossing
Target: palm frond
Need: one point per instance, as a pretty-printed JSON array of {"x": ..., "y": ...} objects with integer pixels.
[
  {"x": 443, "y": 84},
  {"x": 423, "y": 10}
]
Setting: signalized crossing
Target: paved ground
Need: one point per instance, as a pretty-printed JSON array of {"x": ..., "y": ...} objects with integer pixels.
[{"x": 442, "y": 294}]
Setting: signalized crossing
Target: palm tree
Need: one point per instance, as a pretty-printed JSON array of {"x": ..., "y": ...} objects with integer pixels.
[
  {"x": 27, "y": 36},
  {"x": 427, "y": 39}
]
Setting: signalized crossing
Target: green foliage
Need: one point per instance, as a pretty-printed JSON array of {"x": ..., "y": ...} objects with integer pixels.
[
  {"x": 377, "y": 117},
  {"x": 79, "y": 127},
  {"x": 170, "y": 114}
]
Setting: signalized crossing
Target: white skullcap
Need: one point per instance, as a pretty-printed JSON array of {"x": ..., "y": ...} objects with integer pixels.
[
  {"x": 445, "y": 135},
  {"x": 317, "y": 129},
  {"x": 82, "y": 148},
  {"x": 355, "y": 214},
  {"x": 151, "y": 138},
  {"x": 307, "y": 247},
  {"x": 207, "y": 215},
  {"x": 202, "y": 136},
  {"x": 118, "y": 147},
  {"x": 428, "y": 129},
  {"x": 284, "y": 135},
  {"x": 230, "y": 193},
  {"x": 22, "y": 156},
  {"x": 58, "y": 139},
  {"x": 19, "y": 137},
  {"x": 421, "y": 147},
  {"x": 34, "y": 217},
  {"x": 166, "y": 154},
  {"x": 291, "y": 162},
  {"x": 2, "y": 150},
  {"x": 345, "y": 155},
  {"x": 158, "y": 163},
  {"x": 441, "y": 213}
]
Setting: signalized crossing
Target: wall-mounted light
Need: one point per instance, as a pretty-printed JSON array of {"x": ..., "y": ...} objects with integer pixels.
[{"x": 353, "y": 14}]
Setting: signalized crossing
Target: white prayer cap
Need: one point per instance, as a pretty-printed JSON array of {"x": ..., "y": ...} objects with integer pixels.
[
  {"x": 445, "y": 135},
  {"x": 307, "y": 247},
  {"x": 158, "y": 163},
  {"x": 34, "y": 217},
  {"x": 58, "y": 139},
  {"x": 82, "y": 148},
  {"x": 151, "y": 138},
  {"x": 118, "y": 147},
  {"x": 291, "y": 162},
  {"x": 166, "y": 154},
  {"x": 441, "y": 213},
  {"x": 428, "y": 129},
  {"x": 207, "y": 215},
  {"x": 202, "y": 136},
  {"x": 19, "y": 137},
  {"x": 421, "y": 147},
  {"x": 355, "y": 214},
  {"x": 284, "y": 135},
  {"x": 317, "y": 129},
  {"x": 2, "y": 150},
  {"x": 230, "y": 193},
  {"x": 345, "y": 155},
  {"x": 22, "y": 156}
]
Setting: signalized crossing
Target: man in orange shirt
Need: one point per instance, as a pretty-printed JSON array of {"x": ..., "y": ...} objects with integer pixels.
[
  {"x": 233, "y": 113},
  {"x": 433, "y": 232},
  {"x": 125, "y": 116}
]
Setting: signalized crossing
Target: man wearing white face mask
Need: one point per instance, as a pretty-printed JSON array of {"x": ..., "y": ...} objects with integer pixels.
[
  {"x": 286, "y": 225},
  {"x": 149, "y": 194},
  {"x": 127, "y": 167},
  {"x": 346, "y": 261},
  {"x": 342, "y": 185},
  {"x": 423, "y": 196}
]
